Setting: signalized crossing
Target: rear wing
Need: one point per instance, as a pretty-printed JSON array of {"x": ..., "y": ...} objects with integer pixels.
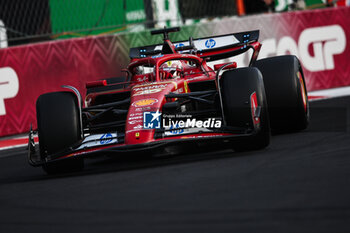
[{"x": 214, "y": 47}]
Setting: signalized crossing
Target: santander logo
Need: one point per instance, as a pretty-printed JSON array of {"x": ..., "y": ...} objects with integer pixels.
[{"x": 316, "y": 47}]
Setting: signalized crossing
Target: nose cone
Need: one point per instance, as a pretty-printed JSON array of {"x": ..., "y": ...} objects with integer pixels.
[{"x": 146, "y": 100}]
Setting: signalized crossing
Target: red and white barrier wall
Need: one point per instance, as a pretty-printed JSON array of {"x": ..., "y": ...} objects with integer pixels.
[
  {"x": 320, "y": 39},
  {"x": 29, "y": 71}
]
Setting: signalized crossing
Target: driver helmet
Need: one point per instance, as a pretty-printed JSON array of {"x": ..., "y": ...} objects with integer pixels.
[{"x": 171, "y": 66}]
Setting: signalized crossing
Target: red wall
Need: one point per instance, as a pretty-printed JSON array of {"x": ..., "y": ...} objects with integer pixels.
[{"x": 44, "y": 67}]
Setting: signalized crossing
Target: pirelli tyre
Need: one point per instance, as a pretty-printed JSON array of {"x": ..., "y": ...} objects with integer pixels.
[
  {"x": 286, "y": 93},
  {"x": 245, "y": 106},
  {"x": 59, "y": 127}
]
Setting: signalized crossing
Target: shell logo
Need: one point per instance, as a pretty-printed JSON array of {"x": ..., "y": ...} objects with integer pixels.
[{"x": 144, "y": 102}]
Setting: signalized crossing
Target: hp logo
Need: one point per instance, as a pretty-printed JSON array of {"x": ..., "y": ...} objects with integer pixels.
[{"x": 210, "y": 43}]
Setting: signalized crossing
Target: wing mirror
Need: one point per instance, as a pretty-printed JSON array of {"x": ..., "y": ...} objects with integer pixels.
[
  {"x": 98, "y": 83},
  {"x": 228, "y": 65}
]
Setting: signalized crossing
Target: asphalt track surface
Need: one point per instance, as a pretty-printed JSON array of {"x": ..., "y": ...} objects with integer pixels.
[{"x": 301, "y": 183}]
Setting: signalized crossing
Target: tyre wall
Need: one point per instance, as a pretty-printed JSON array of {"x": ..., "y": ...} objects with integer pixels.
[{"x": 320, "y": 38}]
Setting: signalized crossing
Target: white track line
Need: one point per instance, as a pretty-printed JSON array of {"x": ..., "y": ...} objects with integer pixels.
[{"x": 329, "y": 93}]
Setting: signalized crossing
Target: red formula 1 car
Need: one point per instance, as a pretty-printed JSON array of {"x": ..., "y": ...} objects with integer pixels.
[{"x": 172, "y": 96}]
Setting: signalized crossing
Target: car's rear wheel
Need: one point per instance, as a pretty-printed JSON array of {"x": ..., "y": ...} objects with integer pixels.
[
  {"x": 59, "y": 127},
  {"x": 244, "y": 99},
  {"x": 286, "y": 93}
]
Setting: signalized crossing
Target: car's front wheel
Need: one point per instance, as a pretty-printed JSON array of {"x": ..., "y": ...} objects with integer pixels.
[
  {"x": 245, "y": 106},
  {"x": 59, "y": 127}
]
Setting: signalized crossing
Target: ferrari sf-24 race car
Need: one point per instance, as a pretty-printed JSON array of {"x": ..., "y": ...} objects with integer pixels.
[{"x": 170, "y": 96}]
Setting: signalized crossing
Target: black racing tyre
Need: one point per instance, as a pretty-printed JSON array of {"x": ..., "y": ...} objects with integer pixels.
[
  {"x": 237, "y": 88},
  {"x": 286, "y": 93},
  {"x": 59, "y": 127}
]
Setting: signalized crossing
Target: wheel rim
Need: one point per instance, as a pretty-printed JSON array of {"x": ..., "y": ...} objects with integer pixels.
[
  {"x": 302, "y": 89},
  {"x": 254, "y": 106}
]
